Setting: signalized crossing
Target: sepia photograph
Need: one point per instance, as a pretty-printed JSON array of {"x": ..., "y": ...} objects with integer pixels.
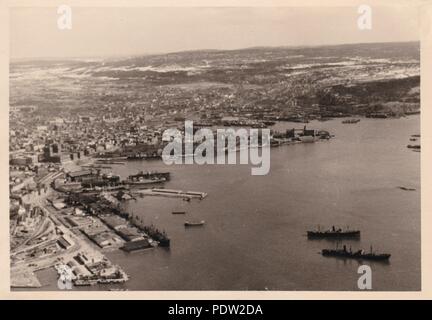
[{"x": 214, "y": 148}]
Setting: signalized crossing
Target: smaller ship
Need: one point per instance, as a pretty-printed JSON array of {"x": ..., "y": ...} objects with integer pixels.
[
  {"x": 359, "y": 254},
  {"x": 179, "y": 212},
  {"x": 377, "y": 115},
  {"x": 351, "y": 121},
  {"x": 333, "y": 233},
  {"x": 413, "y": 146},
  {"x": 194, "y": 224},
  {"x": 407, "y": 188}
]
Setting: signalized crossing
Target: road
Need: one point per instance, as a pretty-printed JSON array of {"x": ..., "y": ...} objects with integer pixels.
[{"x": 23, "y": 270}]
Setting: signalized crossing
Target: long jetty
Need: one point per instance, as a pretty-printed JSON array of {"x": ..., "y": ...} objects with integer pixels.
[{"x": 172, "y": 193}]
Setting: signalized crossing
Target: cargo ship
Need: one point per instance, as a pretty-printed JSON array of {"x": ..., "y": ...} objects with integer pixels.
[
  {"x": 137, "y": 245},
  {"x": 159, "y": 236},
  {"x": 359, "y": 254},
  {"x": 333, "y": 233},
  {"x": 145, "y": 178}
]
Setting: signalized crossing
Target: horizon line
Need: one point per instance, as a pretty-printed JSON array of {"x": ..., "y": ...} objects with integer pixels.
[{"x": 119, "y": 56}]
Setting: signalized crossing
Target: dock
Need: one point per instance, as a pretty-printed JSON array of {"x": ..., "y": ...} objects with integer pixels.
[
  {"x": 109, "y": 162},
  {"x": 172, "y": 193},
  {"x": 96, "y": 167}
]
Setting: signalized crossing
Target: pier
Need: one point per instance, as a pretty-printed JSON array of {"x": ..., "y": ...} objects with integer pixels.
[{"x": 172, "y": 193}]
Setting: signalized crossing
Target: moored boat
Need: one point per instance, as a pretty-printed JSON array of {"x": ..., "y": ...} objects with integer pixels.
[
  {"x": 415, "y": 146},
  {"x": 351, "y": 121},
  {"x": 137, "y": 245},
  {"x": 144, "y": 182},
  {"x": 194, "y": 224}
]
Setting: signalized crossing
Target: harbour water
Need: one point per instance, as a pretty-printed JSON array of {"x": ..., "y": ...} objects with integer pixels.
[{"x": 254, "y": 236}]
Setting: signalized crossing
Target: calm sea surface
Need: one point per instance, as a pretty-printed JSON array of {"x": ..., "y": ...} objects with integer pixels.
[{"x": 254, "y": 236}]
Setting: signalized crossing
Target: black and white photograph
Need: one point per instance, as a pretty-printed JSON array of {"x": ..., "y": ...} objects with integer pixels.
[{"x": 215, "y": 148}]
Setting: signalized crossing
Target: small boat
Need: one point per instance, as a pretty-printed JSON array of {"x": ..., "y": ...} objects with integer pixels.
[
  {"x": 144, "y": 182},
  {"x": 194, "y": 224},
  {"x": 178, "y": 212},
  {"x": 406, "y": 188},
  {"x": 351, "y": 121},
  {"x": 415, "y": 146}
]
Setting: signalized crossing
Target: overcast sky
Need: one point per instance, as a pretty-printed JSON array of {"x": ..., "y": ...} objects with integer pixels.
[{"x": 130, "y": 31}]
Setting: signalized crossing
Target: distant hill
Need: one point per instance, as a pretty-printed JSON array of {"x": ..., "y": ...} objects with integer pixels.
[{"x": 387, "y": 50}]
